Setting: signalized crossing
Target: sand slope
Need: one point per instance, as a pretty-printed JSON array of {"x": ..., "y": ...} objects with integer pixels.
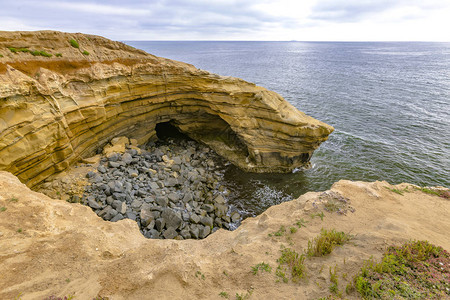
[{"x": 66, "y": 249}]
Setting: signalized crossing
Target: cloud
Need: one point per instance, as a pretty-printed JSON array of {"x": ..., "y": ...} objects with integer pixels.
[
  {"x": 358, "y": 10},
  {"x": 224, "y": 19}
]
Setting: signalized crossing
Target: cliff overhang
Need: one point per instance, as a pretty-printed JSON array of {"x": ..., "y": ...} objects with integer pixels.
[{"x": 56, "y": 110}]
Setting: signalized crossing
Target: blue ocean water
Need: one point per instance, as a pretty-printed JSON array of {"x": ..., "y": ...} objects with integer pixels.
[{"x": 389, "y": 103}]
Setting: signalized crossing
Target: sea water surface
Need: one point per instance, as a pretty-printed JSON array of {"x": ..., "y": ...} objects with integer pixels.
[{"x": 389, "y": 103}]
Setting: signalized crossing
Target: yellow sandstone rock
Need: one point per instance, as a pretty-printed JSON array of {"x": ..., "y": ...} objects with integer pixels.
[{"x": 56, "y": 110}]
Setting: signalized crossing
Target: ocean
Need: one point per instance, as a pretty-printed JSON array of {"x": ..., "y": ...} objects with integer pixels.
[{"x": 388, "y": 101}]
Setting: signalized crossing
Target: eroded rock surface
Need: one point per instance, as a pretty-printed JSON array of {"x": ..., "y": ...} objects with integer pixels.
[
  {"x": 54, "y": 248},
  {"x": 56, "y": 110}
]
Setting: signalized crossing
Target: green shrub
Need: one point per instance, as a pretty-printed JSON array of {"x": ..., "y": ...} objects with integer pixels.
[
  {"x": 40, "y": 53},
  {"x": 294, "y": 261},
  {"x": 74, "y": 43},
  {"x": 15, "y": 50},
  {"x": 85, "y": 52},
  {"x": 326, "y": 242},
  {"x": 58, "y": 55},
  {"x": 414, "y": 270},
  {"x": 1, "y": 55}
]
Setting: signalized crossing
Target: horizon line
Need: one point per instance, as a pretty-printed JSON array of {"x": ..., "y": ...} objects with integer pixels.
[{"x": 290, "y": 41}]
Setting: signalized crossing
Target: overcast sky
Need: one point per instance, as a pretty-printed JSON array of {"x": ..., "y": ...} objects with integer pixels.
[{"x": 303, "y": 20}]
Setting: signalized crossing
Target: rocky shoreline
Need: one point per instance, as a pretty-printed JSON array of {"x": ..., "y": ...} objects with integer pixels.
[{"x": 170, "y": 188}]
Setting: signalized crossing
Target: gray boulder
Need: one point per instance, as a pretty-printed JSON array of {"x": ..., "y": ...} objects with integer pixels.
[
  {"x": 170, "y": 233},
  {"x": 172, "y": 219}
]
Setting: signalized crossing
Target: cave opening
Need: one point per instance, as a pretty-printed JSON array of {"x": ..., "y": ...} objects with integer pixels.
[{"x": 166, "y": 130}]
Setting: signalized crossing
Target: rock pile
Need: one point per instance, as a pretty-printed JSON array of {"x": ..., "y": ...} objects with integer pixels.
[{"x": 172, "y": 189}]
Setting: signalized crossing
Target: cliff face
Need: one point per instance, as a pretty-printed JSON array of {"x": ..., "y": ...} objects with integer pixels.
[{"x": 56, "y": 110}]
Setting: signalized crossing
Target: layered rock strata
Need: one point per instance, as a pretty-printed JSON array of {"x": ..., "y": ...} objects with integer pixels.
[{"x": 64, "y": 96}]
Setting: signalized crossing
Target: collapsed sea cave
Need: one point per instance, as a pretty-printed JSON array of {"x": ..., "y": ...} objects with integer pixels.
[{"x": 174, "y": 186}]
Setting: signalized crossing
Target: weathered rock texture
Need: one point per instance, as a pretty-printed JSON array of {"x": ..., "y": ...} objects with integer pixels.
[
  {"x": 51, "y": 247},
  {"x": 55, "y": 110}
]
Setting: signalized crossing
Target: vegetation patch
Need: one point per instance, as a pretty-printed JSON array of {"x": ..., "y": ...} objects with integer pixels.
[
  {"x": 397, "y": 191},
  {"x": 291, "y": 261},
  {"x": 441, "y": 193},
  {"x": 301, "y": 223},
  {"x": 34, "y": 53},
  {"x": 2, "y": 209},
  {"x": 74, "y": 43},
  {"x": 280, "y": 232},
  {"x": 199, "y": 274},
  {"x": 17, "y": 50},
  {"x": 41, "y": 53},
  {"x": 320, "y": 215},
  {"x": 335, "y": 202},
  {"x": 85, "y": 52},
  {"x": 262, "y": 267},
  {"x": 326, "y": 242},
  {"x": 414, "y": 270},
  {"x": 334, "y": 286},
  {"x": 224, "y": 295},
  {"x": 244, "y": 296},
  {"x": 58, "y": 55},
  {"x": 1, "y": 55}
]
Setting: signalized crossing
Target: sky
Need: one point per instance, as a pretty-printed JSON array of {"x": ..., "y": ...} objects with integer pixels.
[{"x": 264, "y": 20}]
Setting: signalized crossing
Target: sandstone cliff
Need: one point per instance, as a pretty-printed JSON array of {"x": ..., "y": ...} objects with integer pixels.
[
  {"x": 57, "y": 109},
  {"x": 51, "y": 247}
]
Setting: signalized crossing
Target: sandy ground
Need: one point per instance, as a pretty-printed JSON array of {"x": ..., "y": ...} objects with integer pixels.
[{"x": 51, "y": 247}]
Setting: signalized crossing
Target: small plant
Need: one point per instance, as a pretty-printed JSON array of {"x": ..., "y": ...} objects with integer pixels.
[
  {"x": 280, "y": 232},
  {"x": 13, "y": 199},
  {"x": 326, "y": 242},
  {"x": 199, "y": 274},
  {"x": 15, "y": 50},
  {"x": 334, "y": 287},
  {"x": 223, "y": 294},
  {"x": 261, "y": 266},
  {"x": 40, "y": 53},
  {"x": 301, "y": 223},
  {"x": 19, "y": 230},
  {"x": 294, "y": 262},
  {"x": 58, "y": 55},
  {"x": 320, "y": 215},
  {"x": 349, "y": 288},
  {"x": 414, "y": 270},
  {"x": 85, "y": 52},
  {"x": 293, "y": 229},
  {"x": 395, "y": 190},
  {"x": 2, "y": 209},
  {"x": 225, "y": 273},
  {"x": 74, "y": 43},
  {"x": 244, "y": 296},
  {"x": 1, "y": 55},
  {"x": 279, "y": 272}
]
